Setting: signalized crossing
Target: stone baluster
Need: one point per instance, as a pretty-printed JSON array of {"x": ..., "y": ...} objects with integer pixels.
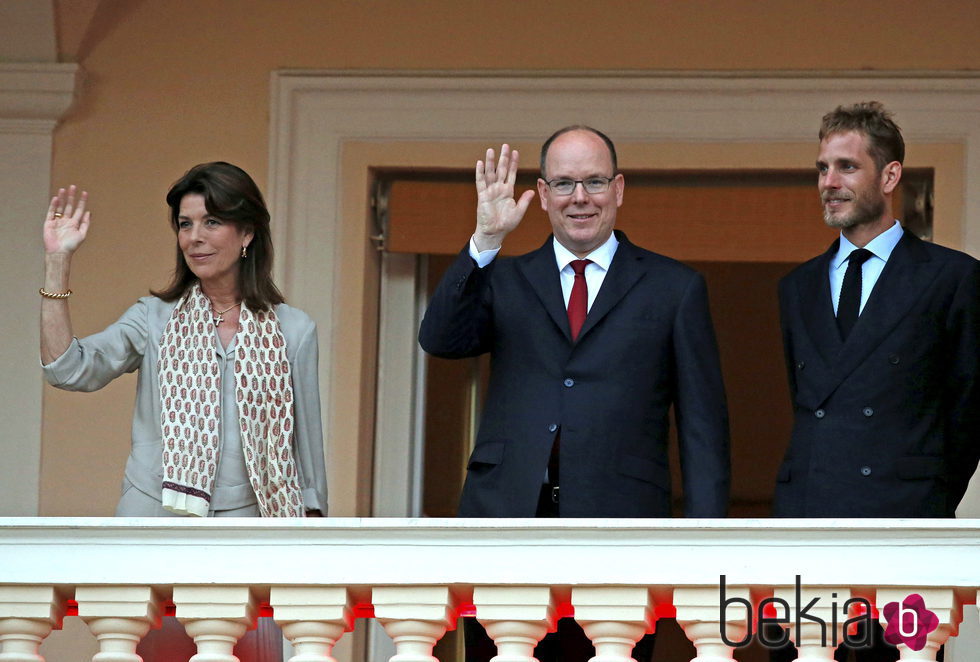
[
  {"x": 516, "y": 618},
  {"x": 27, "y": 616},
  {"x": 708, "y": 623},
  {"x": 614, "y": 618},
  {"x": 816, "y": 639},
  {"x": 942, "y": 602},
  {"x": 118, "y": 616},
  {"x": 312, "y": 618},
  {"x": 415, "y": 617},
  {"x": 215, "y": 617}
]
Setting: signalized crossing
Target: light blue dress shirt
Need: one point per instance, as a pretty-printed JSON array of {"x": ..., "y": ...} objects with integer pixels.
[{"x": 881, "y": 248}]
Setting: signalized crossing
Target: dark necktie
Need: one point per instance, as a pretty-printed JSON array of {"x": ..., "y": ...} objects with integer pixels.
[
  {"x": 849, "y": 305},
  {"x": 578, "y": 302}
]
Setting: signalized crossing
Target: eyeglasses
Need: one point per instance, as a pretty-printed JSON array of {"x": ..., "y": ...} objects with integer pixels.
[{"x": 592, "y": 185}]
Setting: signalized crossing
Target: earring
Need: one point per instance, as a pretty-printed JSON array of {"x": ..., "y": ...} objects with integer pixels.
[{"x": 244, "y": 252}]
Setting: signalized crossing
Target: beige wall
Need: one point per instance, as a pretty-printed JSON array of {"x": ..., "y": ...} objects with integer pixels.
[{"x": 170, "y": 83}]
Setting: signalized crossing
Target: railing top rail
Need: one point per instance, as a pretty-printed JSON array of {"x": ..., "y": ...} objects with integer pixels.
[
  {"x": 845, "y": 526},
  {"x": 389, "y": 551}
]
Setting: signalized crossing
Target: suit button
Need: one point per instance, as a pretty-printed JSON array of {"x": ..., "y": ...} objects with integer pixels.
[
  {"x": 865, "y": 471},
  {"x": 552, "y": 427},
  {"x": 893, "y": 359},
  {"x": 800, "y": 365},
  {"x": 569, "y": 382},
  {"x": 868, "y": 411},
  {"x": 820, "y": 413}
]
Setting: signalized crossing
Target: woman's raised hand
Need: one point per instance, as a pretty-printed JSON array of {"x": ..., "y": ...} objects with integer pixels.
[{"x": 67, "y": 222}]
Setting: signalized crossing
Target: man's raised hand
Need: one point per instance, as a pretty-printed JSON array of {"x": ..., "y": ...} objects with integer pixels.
[{"x": 497, "y": 212}]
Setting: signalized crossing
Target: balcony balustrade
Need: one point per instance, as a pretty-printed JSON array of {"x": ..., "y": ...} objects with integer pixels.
[{"x": 417, "y": 576}]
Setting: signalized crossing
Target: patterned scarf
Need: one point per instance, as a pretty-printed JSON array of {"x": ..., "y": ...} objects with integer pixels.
[{"x": 190, "y": 399}]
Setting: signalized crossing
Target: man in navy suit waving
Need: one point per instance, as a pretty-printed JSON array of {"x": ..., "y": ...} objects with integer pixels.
[
  {"x": 882, "y": 342},
  {"x": 598, "y": 381},
  {"x": 592, "y": 340}
]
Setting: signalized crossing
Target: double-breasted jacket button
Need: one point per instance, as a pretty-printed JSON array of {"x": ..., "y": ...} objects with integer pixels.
[
  {"x": 868, "y": 411},
  {"x": 865, "y": 471},
  {"x": 893, "y": 359},
  {"x": 800, "y": 365},
  {"x": 569, "y": 382},
  {"x": 553, "y": 427},
  {"x": 820, "y": 413}
]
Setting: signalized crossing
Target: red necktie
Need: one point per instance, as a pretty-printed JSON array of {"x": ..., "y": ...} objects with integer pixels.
[{"x": 578, "y": 302}]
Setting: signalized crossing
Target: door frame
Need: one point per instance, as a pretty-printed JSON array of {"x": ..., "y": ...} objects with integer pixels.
[{"x": 329, "y": 129}]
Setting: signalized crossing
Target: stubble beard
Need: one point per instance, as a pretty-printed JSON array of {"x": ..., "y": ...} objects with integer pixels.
[{"x": 867, "y": 209}]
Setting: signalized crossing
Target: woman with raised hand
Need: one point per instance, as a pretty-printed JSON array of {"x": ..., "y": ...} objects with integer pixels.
[{"x": 227, "y": 415}]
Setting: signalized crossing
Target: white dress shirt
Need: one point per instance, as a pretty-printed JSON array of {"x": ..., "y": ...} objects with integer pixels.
[{"x": 595, "y": 273}]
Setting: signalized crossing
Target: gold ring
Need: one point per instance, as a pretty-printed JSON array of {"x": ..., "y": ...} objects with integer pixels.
[{"x": 58, "y": 214}]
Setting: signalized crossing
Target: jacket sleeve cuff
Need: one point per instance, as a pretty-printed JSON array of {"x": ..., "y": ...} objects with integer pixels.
[
  {"x": 60, "y": 371},
  {"x": 312, "y": 501}
]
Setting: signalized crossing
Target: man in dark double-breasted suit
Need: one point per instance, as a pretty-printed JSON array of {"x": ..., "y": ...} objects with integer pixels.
[
  {"x": 592, "y": 340},
  {"x": 882, "y": 342}
]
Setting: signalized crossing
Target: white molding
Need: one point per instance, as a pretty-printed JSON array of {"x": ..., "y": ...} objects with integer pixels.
[
  {"x": 644, "y": 74},
  {"x": 27, "y": 127},
  {"x": 405, "y": 551},
  {"x": 36, "y": 91},
  {"x": 33, "y": 98},
  {"x": 397, "y": 476}
]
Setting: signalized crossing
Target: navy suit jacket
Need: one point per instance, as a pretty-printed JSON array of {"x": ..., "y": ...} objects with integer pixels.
[
  {"x": 646, "y": 344},
  {"x": 885, "y": 424}
]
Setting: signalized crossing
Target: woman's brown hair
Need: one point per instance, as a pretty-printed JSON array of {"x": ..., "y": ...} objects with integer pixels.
[{"x": 229, "y": 195}]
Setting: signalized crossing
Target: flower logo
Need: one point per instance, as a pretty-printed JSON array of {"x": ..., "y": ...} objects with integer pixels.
[{"x": 909, "y": 622}]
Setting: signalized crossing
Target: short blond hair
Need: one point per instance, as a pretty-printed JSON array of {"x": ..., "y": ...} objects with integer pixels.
[{"x": 870, "y": 119}]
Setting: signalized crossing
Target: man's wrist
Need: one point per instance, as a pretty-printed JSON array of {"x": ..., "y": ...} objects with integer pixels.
[
  {"x": 484, "y": 257},
  {"x": 487, "y": 242}
]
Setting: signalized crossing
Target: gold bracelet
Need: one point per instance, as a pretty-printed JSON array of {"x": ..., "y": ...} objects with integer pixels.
[{"x": 54, "y": 295}]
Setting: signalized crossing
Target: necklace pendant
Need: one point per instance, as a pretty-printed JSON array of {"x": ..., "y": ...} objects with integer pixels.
[{"x": 219, "y": 315}]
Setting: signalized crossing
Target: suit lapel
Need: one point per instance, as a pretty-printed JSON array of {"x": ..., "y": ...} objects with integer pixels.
[
  {"x": 817, "y": 308},
  {"x": 541, "y": 272},
  {"x": 625, "y": 270},
  {"x": 899, "y": 286}
]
